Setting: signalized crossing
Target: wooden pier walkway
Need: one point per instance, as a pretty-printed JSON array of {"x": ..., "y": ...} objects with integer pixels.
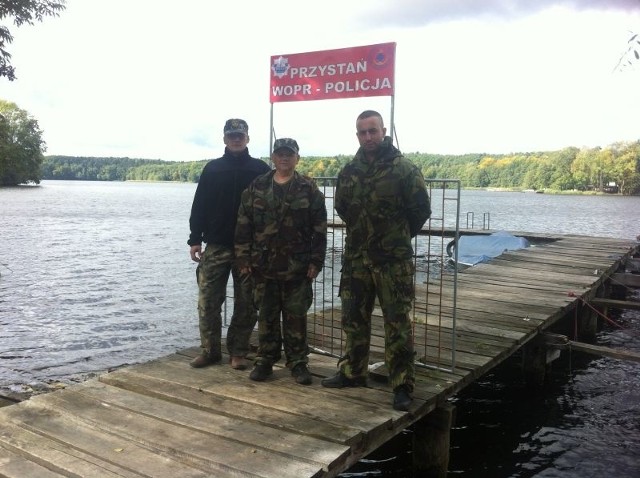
[{"x": 165, "y": 419}]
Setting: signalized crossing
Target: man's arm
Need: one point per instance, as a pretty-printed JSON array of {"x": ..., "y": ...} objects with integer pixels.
[
  {"x": 244, "y": 234},
  {"x": 418, "y": 203},
  {"x": 319, "y": 226},
  {"x": 197, "y": 218}
]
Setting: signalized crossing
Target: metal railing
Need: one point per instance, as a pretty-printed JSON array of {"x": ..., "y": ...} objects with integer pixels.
[
  {"x": 434, "y": 311},
  {"x": 486, "y": 220}
]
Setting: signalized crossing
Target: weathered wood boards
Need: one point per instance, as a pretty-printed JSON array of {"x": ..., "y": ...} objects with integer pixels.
[{"x": 165, "y": 419}]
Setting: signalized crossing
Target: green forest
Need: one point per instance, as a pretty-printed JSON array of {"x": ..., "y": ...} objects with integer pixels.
[{"x": 614, "y": 169}]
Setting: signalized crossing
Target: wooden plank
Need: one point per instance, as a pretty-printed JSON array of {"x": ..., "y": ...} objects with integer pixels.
[
  {"x": 524, "y": 285},
  {"x": 367, "y": 411},
  {"x": 522, "y": 280},
  {"x": 475, "y": 281},
  {"x": 184, "y": 441},
  {"x": 555, "y": 258},
  {"x": 586, "y": 243},
  {"x": 471, "y": 350},
  {"x": 75, "y": 449},
  {"x": 534, "y": 275},
  {"x": 504, "y": 311},
  {"x": 556, "y": 262},
  {"x": 248, "y": 432},
  {"x": 510, "y": 296},
  {"x": 13, "y": 465},
  {"x": 196, "y": 397},
  {"x": 432, "y": 335},
  {"x": 503, "y": 287},
  {"x": 541, "y": 273},
  {"x": 583, "y": 251},
  {"x": 604, "y": 351},
  {"x": 291, "y": 397},
  {"x": 538, "y": 311},
  {"x": 491, "y": 331},
  {"x": 518, "y": 319},
  {"x": 619, "y": 304}
]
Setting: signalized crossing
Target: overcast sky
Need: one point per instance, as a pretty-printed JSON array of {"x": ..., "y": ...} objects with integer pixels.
[{"x": 158, "y": 78}]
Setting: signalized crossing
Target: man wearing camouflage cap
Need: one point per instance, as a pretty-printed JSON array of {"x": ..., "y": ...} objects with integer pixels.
[
  {"x": 280, "y": 241},
  {"x": 383, "y": 200},
  {"x": 213, "y": 222}
]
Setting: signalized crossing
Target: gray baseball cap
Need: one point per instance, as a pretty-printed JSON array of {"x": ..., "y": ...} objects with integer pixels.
[{"x": 286, "y": 143}]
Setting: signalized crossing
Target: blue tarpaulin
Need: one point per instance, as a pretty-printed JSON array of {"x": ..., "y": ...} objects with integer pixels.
[{"x": 475, "y": 249}]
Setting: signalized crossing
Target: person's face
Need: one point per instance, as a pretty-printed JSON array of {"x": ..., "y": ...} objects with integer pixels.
[
  {"x": 370, "y": 133},
  {"x": 285, "y": 160},
  {"x": 236, "y": 142}
]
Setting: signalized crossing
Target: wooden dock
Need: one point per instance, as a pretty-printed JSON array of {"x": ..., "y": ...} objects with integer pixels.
[{"x": 165, "y": 419}]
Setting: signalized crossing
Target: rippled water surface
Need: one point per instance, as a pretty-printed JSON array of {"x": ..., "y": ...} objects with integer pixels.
[
  {"x": 96, "y": 275},
  {"x": 93, "y": 275}
]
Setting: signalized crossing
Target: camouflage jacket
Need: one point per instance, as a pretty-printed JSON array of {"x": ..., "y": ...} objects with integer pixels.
[
  {"x": 383, "y": 204},
  {"x": 280, "y": 237}
]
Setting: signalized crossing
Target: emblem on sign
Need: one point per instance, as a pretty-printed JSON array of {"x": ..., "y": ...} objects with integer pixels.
[{"x": 280, "y": 66}]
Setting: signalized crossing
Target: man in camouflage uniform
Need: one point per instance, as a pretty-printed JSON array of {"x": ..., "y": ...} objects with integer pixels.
[
  {"x": 383, "y": 200},
  {"x": 213, "y": 221},
  {"x": 280, "y": 241}
]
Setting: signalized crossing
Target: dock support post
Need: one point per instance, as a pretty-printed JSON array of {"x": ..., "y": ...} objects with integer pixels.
[
  {"x": 588, "y": 318},
  {"x": 587, "y": 325},
  {"x": 431, "y": 442},
  {"x": 534, "y": 362}
]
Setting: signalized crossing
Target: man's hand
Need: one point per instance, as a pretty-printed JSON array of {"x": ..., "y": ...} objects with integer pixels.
[
  {"x": 196, "y": 252},
  {"x": 312, "y": 271}
]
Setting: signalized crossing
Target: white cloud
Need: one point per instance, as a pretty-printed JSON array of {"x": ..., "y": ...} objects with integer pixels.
[{"x": 156, "y": 79}]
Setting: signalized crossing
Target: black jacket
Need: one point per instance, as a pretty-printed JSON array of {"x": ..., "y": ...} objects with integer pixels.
[{"x": 215, "y": 205}]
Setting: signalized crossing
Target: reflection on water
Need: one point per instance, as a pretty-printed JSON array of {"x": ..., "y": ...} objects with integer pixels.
[{"x": 97, "y": 275}]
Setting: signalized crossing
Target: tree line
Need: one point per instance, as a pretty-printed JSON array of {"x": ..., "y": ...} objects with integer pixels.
[
  {"x": 119, "y": 169},
  {"x": 615, "y": 168}
]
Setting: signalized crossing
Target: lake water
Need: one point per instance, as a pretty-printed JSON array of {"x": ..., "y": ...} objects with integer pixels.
[{"x": 96, "y": 275}]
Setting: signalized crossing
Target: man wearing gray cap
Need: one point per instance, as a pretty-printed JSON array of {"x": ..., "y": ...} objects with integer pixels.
[
  {"x": 213, "y": 222},
  {"x": 280, "y": 241}
]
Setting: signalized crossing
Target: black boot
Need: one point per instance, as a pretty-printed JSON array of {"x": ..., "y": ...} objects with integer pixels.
[
  {"x": 340, "y": 380},
  {"x": 302, "y": 374},
  {"x": 401, "y": 398},
  {"x": 260, "y": 372}
]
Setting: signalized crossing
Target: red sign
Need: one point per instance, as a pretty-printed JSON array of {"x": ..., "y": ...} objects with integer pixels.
[{"x": 344, "y": 73}]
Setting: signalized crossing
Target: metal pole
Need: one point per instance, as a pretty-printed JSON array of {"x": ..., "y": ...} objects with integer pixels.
[{"x": 272, "y": 133}]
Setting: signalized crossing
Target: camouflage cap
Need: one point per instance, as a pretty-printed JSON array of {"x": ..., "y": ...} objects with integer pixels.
[
  {"x": 287, "y": 143},
  {"x": 235, "y": 125}
]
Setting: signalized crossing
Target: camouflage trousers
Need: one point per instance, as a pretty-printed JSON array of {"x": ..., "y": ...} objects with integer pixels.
[
  {"x": 290, "y": 300},
  {"x": 392, "y": 284},
  {"x": 213, "y": 274}
]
